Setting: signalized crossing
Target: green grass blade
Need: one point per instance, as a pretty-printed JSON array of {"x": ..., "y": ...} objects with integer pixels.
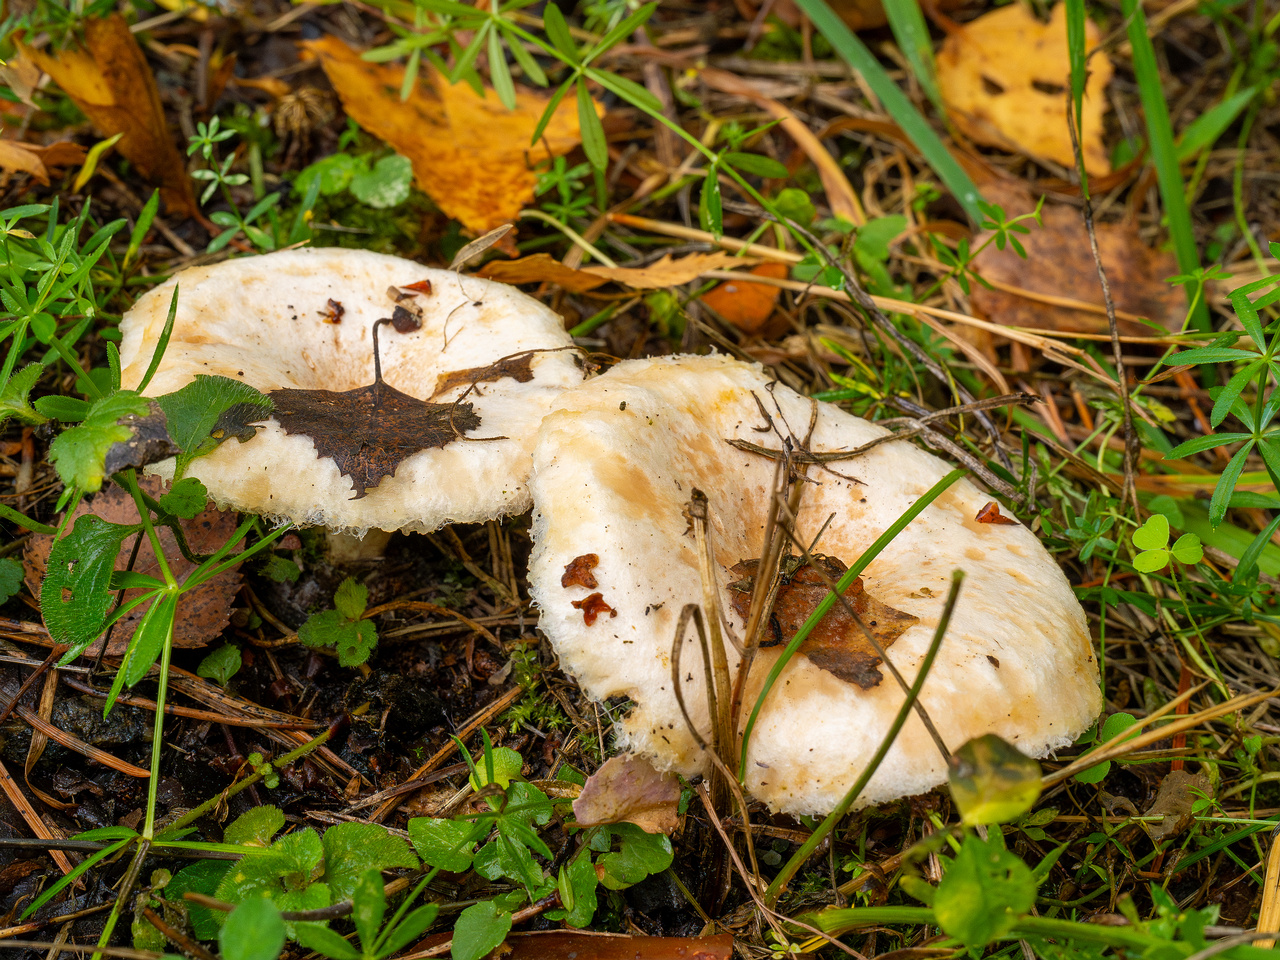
[
  {"x": 1164, "y": 154},
  {"x": 912, "y": 34},
  {"x": 855, "y": 53},
  {"x": 1076, "y": 57}
]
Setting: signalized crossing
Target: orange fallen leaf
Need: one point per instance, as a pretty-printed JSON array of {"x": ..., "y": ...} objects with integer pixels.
[
  {"x": 19, "y": 157},
  {"x": 745, "y": 304},
  {"x": 540, "y": 268},
  {"x": 1005, "y": 77},
  {"x": 470, "y": 154},
  {"x": 109, "y": 80}
]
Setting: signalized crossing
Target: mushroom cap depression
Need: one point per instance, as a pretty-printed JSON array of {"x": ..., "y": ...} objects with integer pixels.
[
  {"x": 614, "y": 467},
  {"x": 269, "y": 321}
]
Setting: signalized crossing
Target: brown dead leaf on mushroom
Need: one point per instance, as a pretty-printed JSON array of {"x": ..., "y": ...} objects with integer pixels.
[
  {"x": 990, "y": 513},
  {"x": 577, "y": 572},
  {"x": 518, "y": 367},
  {"x": 592, "y": 606},
  {"x": 837, "y": 644}
]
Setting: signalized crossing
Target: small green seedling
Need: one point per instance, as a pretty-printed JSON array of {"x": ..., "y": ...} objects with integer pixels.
[
  {"x": 1152, "y": 538},
  {"x": 342, "y": 628}
]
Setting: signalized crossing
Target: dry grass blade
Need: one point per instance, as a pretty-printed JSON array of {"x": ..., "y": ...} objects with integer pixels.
[{"x": 1269, "y": 911}]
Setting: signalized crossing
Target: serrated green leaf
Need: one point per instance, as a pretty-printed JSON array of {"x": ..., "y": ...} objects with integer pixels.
[
  {"x": 324, "y": 629},
  {"x": 443, "y": 843},
  {"x": 186, "y": 499},
  {"x": 253, "y": 931},
  {"x": 76, "y": 593},
  {"x": 1154, "y": 534},
  {"x": 208, "y": 411},
  {"x": 386, "y": 185},
  {"x": 10, "y": 578},
  {"x": 80, "y": 452},
  {"x": 368, "y": 906},
  {"x": 351, "y": 849},
  {"x": 14, "y": 400},
  {"x": 351, "y": 598},
  {"x": 221, "y": 665},
  {"x": 256, "y": 827},
  {"x": 288, "y": 874},
  {"x": 482, "y": 927},
  {"x": 984, "y": 891},
  {"x": 322, "y": 940}
]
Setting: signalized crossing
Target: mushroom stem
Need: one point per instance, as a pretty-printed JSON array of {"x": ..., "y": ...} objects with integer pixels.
[{"x": 344, "y": 547}]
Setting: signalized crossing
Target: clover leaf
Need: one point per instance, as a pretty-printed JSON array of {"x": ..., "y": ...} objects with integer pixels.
[{"x": 1152, "y": 539}]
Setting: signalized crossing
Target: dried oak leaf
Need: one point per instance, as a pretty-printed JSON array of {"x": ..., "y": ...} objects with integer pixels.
[
  {"x": 627, "y": 789},
  {"x": 517, "y": 366},
  {"x": 1175, "y": 801},
  {"x": 837, "y": 644},
  {"x": 203, "y": 613},
  {"x": 368, "y": 431},
  {"x": 1064, "y": 267},
  {"x": 990, "y": 513},
  {"x": 577, "y": 572},
  {"x": 592, "y": 606}
]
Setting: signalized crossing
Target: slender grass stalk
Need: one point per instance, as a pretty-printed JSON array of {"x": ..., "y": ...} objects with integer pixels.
[
  {"x": 1164, "y": 154},
  {"x": 855, "y": 53},
  {"x": 829, "y": 600},
  {"x": 908, "y": 704}
]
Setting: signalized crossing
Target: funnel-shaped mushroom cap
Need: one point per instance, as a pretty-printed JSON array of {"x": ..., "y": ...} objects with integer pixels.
[
  {"x": 615, "y": 465},
  {"x": 269, "y": 321}
]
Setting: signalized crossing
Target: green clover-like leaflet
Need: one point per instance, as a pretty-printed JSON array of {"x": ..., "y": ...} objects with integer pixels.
[{"x": 1152, "y": 538}]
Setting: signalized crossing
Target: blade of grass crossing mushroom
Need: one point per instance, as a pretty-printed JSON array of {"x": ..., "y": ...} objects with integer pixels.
[
  {"x": 855, "y": 53},
  {"x": 1163, "y": 154},
  {"x": 824, "y": 829},
  {"x": 829, "y": 600},
  {"x": 162, "y": 343}
]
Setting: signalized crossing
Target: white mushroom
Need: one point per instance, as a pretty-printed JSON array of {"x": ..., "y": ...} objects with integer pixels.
[
  {"x": 304, "y": 320},
  {"x": 615, "y": 464}
]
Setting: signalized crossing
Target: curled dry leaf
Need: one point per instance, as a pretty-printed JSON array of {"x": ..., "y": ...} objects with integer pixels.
[
  {"x": 109, "y": 80},
  {"x": 470, "y": 154},
  {"x": 667, "y": 272},
  {"x": 747, "y": 305},
  {"x": 19, "y": 157},
  {"x": 1005, "y": 78},
  {"x": 627, "y": 789},
  {"x": 592, "y": 606},
  {"x": 577, "y": 572},
  {"x": 1064, "y": 267},
  {"x": 203, "y": 613},
  {"x": 990, "y": 513},
  {"x": 1175, "y": 800}
]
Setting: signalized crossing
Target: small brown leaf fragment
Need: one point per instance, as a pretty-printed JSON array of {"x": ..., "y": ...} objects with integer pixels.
[
  {"x": 837, "y": 644},
  {"x": 368, "y": 431},
  {"x": 406, "y": 320},
  {"x": 419, "y": 286},
  {"x": 518, "y": 366},
  {"x": 592, "y": 606},
  {"x": 577, "y": 572},
  {"x": 627, "y": 789},
  {"x": 1179, "y": 791},
  {"x": 990, "y": 513},
  {"x": 333, "y": 311},
  {"x": 150, "y": 442}
]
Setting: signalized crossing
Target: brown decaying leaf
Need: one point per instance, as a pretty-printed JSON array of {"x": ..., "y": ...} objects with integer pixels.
[
  {"x": 109, "y": 80},
  {"x": 837, "y": 644},
  {"x": 577, "y": 572},
  {"x": 627, "y": 789},
  {"x": 1005, "y": 76},
  {"x": 540, "y": 268},
  {"x": 1059, "y": 263},
  {"x": 21, "y": 76},
  {"x": 19, "y": 157},
  {"x": 1178, "y": 792},
  {"x": 592, "y": 606},
  {"x": 333, "y": 311},
  {"x": 519, "y": 367},
  {"x": 470, "y": 154},
  {"x": 667, "y": 272},
  {"x": 747, "y": 305},
  {"x": 990, "y": 513},
  {"x": 203, "y": 613},
  {"x": 369, "y": 430}
]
